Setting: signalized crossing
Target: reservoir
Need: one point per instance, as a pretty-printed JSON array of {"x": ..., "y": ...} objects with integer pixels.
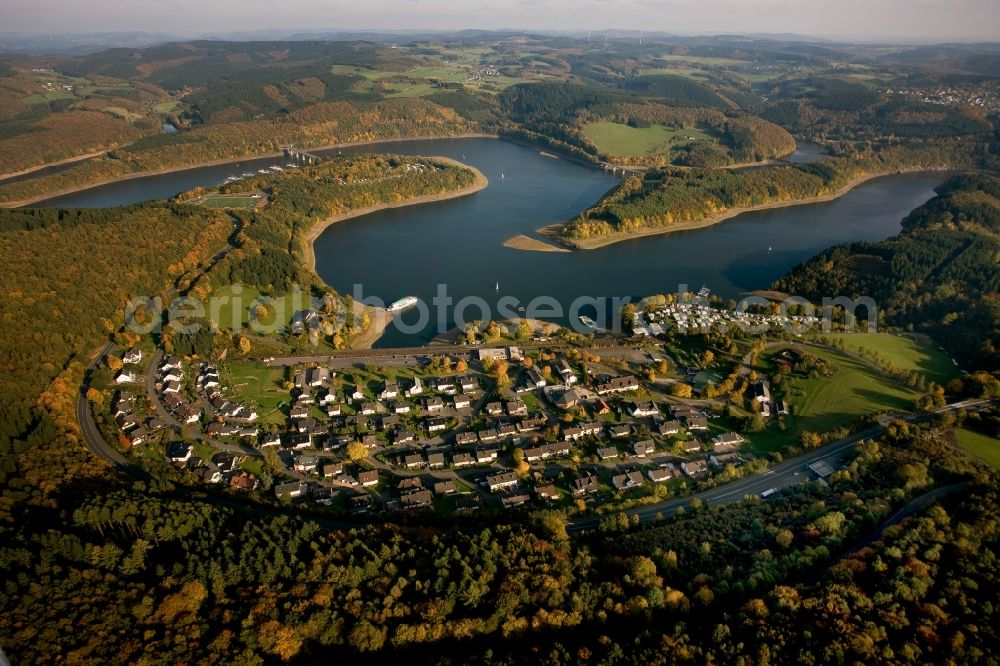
[{"x": 459, "y": 243}]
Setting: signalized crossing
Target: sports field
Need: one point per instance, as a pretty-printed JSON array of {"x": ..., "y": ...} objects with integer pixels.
[
  {"x": 904, "y": 352},
  {"x": 627, "y": 141},
  {"x": 230, "y": 201}
]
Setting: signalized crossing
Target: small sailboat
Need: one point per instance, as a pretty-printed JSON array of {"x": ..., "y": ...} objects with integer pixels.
[
  {"x": 768, "y": 248},
  {"x": 498, "y": 286},
  {"x": 501, "y": 176}
]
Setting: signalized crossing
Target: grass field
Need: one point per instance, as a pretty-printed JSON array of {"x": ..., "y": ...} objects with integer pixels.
[
  {"x": 701, "y": 60},
  {"x": 230, "y": 201},
  {"x": 229, "y": 307},
  {"x": 856, "y": 390},
  {"x": 904, "y": 352},
  {"x": 981, "y": 446},
  {"x": 619, "y": 139},
  {"x": 259, "y": 384},
  {"x": 676, "y": 70}
]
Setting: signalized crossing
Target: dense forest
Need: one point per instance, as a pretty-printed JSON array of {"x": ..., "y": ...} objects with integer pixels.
[
  {"x": 174, "y": 579},
  {"x": 938, "y": 276},
  {"x": 670, "y": 197}
]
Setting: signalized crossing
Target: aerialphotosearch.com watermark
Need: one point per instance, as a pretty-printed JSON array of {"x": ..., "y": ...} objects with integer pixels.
[{"x": 301, "y": 311}]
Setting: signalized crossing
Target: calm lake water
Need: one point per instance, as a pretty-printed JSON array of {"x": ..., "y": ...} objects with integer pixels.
[
  {"x": 458, "y": 243},
  {"x": 409, "y": 251}
]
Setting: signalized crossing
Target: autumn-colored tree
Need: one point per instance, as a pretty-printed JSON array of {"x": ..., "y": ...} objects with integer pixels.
[
  {"x": 680, "y": 390},
  {"x": 114, "y": 363},
  {"x": 244, "y": 345},
  {"x": 357, "y": 451},
  {"x": 461, "y": 366},
  {"x": 279, "y": 639}
]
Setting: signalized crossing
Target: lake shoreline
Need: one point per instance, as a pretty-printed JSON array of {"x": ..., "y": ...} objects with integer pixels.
[
  {"x": 552, "y": 231},
  {"x": 21, "y": 203},
  {"x": 47, "y": 165},
  {"x": 379, "y": 317}
]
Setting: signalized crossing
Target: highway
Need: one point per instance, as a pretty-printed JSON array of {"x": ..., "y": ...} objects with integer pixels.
[
  {"x": 88, "y": 428},
  {"x": 787, "y": 473}
]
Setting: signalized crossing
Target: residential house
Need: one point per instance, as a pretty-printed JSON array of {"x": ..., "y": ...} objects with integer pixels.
[
  {"x": 727, "y": 440},
  {"x": 435, "y": 460},
  {"x": 437, "y": 424},
  {"x": 291, "y": 489},
  {"x": 517, "y": 408},
  {"x": 568, "y": 399},
  {"x": 584, "y": 485},
  {"x": 620, "y": 431},
  {"x": 641, "y": 410},
  {"x": 514, "y": 501},
  {"x": 462, "y": 460},
  {"x": 617, "y": 385},
  {"x": 126, "y": 377},
  {"x": 488, "y": 435},
  {"x": 466, "y": 438},
  {"x": 317, "y": 377},
  {"x": 299, "y": 441},
  {"x": 400, "y": 407},
  {"x": 627, "y": 481},
  {"x": 548, "y": 492},
  {"x": 138, "y": 436},
  {"x": 332, "y": 469},
  {"x": 442, "y": 488},
  {"x": 178, "y": 452},
  {"x": 369, "y": 408},
  {"x": 416, "y": 388},
  {"x": 132, "y": 356},
  {"x": 697, "y": 422},
  {"x": 644, "y": 448},
  {"x": 462, "y": 402},
  {"x": 305, "y": 464},
  {"x": 388, "y": 390},
  {"x": 467, "y": 383},
  {"x": 416, "y": 500},
  {"x": 696, "y": 469},
  {"x": 243, "y": 481},
  {"x": 494, "y": 408},
  {"x": 368, "y": 478},
  {"x": 662, "y": 474},
  {"x": 761, "y": 391},
  {"x": 414, "y": 461},
  {"x": 501, "y": 481},
  {"x": 493, "y": 354},
  {"x": 607, "y": 453},
  {"x": 269, "y": 439},
  {"x": 566, "y": 373},
  {"x": 486, "y": 456},
  {"x": 668, "y": 428},
  {"x": 434, "y": 405},
  {"x": 534, "y": 378}
]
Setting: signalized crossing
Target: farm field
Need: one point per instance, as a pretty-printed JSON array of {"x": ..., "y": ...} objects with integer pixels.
[
  {"x": 979, "y": 445},
  {"x": 619, "y": 139},
  {"x": 903, "y": 352}
]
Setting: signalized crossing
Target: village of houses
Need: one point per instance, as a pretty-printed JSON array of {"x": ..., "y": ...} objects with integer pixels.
[{"x": 454, "y": 439}]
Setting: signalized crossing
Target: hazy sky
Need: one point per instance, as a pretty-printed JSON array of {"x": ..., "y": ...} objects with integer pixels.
[{"x": 852, "y": 18}]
